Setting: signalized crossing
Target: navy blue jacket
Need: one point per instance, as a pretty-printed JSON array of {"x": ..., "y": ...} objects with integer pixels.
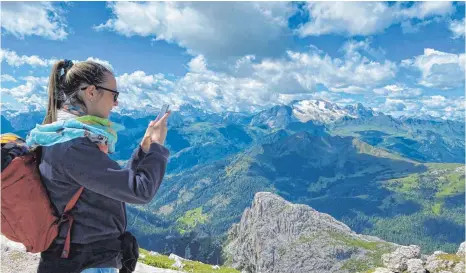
[{"x": 100, "y": 212}]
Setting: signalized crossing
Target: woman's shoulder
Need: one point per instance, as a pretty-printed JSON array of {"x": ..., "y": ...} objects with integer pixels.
[{"x": 63, "y": 149}]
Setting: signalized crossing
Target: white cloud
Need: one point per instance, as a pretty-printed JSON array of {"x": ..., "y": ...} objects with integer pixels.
[
  {"x": 32, "y": 94},
  {"x": 198, "y": 64},
  {"x": 457, "y": 28},
  {"x": 252, "y": 84},
  {"x": 366, "y": 18},
  {"x": 398, "y": 91},
  {"x": 435, "y": 102},
  {"x": 102, "y": 62},
  {"x": 394, "y": 105},
  {"x": 446, "y": 108},
  {"x": 439, "y": 69},
  {"x": 14, "y": 59},
  {"x": 354, "y": 74},
  {"x": 215, "y": 30},
  {"x": 436, "y": 106},
  {"x": 359, "y": 48},
  {"x": 139, "y": 91},
  {"x": 412, "y": 27},
  {"x": 7, "y": 78},
  {"x": 33, "y": 18}
]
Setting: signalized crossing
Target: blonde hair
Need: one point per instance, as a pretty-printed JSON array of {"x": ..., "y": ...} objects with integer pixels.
[{"x": 64, "y": 86}]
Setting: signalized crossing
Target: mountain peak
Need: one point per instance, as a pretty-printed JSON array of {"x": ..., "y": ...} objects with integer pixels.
[
  {"x": 278, "y": 116},
  {"x": 318, "y": 110},
  {"x": 305, "y": 240}
]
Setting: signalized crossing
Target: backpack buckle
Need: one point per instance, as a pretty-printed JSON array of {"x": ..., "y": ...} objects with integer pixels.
[{"x": 63, "y": 218}]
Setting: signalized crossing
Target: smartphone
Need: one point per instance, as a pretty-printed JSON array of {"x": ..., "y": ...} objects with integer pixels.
[{"x": 162, "y": 112}]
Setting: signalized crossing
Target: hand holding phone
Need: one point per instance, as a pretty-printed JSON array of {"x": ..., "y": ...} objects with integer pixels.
[
  {"x": 157, "y": 129},
  {"x": 162, "y": 112}
]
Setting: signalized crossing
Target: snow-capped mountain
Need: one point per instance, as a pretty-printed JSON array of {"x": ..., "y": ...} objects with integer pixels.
[
  {"x": 319, "y": 110},
  {"x": 322, "y": 111}
]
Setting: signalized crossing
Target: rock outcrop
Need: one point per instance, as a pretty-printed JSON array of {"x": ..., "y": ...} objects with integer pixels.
[
  {"x": 277, "y": 236},
  {"x": 406, "y": 259}
]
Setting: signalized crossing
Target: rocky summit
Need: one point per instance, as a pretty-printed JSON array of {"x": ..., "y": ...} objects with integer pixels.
[{"x": 275, "y": 236}]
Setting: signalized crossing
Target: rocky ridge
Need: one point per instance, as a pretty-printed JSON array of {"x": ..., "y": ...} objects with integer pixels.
[{"x": 277, "y": 236}]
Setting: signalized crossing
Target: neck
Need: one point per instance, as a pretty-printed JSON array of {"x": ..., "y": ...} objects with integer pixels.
[
  {"x": 64, "y": 115},
  {"x": 70, "y": 111}
]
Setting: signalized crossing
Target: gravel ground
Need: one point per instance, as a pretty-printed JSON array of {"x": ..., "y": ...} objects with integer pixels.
[{"x": 14, "y": 259}]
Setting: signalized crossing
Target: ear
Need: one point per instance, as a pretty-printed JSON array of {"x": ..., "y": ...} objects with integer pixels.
[{"x": 90, "y": 93}]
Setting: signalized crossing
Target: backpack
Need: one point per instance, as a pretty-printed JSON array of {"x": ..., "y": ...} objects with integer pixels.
[{"x": 28, "y": 216}]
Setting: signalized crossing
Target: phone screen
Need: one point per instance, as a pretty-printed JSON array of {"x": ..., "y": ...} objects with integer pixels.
[{"x": 162, "y": 111}]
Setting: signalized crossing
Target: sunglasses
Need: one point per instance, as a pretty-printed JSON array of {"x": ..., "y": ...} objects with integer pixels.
[{"x": 115, "y": 93}]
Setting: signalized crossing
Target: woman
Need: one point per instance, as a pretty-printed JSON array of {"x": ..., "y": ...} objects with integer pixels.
[{"x": 75, "y": 138}]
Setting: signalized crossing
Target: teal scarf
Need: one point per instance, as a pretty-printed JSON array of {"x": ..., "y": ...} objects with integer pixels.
[{"x": 101, "y": 131}]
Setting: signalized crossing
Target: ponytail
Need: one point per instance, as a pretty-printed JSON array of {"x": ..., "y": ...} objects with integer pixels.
[{"x": 53, "y": 89}]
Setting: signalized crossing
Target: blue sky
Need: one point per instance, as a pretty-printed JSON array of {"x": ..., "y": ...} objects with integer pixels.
[{"x": 402, "y": 58}]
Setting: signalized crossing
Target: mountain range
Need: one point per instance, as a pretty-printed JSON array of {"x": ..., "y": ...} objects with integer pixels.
[{"x": 401, "y": 179}]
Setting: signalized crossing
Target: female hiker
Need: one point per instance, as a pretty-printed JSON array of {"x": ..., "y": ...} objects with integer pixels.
[{"x": 75, "y": 137}]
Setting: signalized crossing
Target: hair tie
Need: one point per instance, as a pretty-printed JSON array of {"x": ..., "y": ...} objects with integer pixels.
[{"x": 68, "y": 64}]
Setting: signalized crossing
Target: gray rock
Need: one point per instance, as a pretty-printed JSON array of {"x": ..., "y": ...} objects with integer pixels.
[
  {"x": 415, "y": 266},
  {"x": 459, "y": 268},
  {"x": 436, "y": 263},
  {"x": 176, "y": 257},
  {"x": 461, "y": 250},
  {"x": 397, "y": 260},
  {"x": 15, "y": 259},
  {"x": 382, "y": 270},
  {"x": 178, "y": 264},
  {"x": 277, "y": 236}
]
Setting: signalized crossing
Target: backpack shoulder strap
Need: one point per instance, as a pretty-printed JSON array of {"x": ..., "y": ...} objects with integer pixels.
[
  {"x": 73, "y": 200},
  {"x": 67, "y": 217}
]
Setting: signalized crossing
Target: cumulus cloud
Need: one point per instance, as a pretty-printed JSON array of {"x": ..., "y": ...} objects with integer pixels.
[
  {"x": 366, "y": 18},
  {"x": 398, "y": 91},
  {"x": 438, "y": 69},
  {"x": 457, "y": 28},
  {"x": 141, "y": 90},
  {"x": 252, "y": 84},
  {"x": 14, "y": 59},
  {"x": 446, "y": 108},
  {"x": 7, "y": 78},
  {"x": 451, "y": 108},
  {"x": 394, "y": 105},
  {"x": 216, "y": 30},
  {"x": 32, "y": 93},
  {"x": 102, "y": 62},
  {"x": 33, "y": 18}
]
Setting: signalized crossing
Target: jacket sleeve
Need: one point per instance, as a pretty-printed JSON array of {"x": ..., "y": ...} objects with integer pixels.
[
  {"x": 94, "y": 170},
  {"x": 136, "y": 157}
]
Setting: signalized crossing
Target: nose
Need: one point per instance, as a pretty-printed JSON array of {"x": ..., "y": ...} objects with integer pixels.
[{"x": 115, "y": 103}]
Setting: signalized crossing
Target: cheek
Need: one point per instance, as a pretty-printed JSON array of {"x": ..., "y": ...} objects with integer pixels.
[{"x": 105, "y": 105}]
